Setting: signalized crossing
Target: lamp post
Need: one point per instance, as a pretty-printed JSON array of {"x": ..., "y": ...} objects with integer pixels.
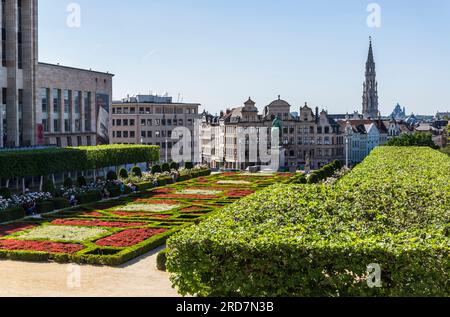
[{"x": 166, "y": 148}]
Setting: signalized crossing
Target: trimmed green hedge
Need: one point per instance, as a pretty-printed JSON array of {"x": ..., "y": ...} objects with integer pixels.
[
  {"x": 45, "y": 207},
  {"x": 12, "y": 214},
  {"x": 89, "y": 197},
  {"x": 56, "y": 160},
  {"x": 317, "y": 240}
]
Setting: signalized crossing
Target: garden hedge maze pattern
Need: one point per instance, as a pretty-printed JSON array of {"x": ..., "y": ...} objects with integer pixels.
[{"x": 114, "y": 232}]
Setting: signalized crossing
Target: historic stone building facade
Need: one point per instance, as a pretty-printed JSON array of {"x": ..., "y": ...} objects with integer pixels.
[
  {"x": 310, "y": 138},
  {"x": 43, "y": 104}
]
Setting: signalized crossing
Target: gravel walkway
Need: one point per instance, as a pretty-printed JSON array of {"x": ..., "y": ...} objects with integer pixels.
[{"x": 138, "y": 278}]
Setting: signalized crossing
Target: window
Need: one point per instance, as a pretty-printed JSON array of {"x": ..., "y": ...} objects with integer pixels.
[
  {"x": 67, "y": 101},
  {"x": 125, "y": 122},
  {"x": 67, "y": 125},
  {"x": 69, "y": 141},
  {"x": 79, "y": 141},
  {"x": 87, "y": 111},
  {"x": 143, "y": 122},
  {"x": 88, "y": 140},
  {"x": 143, "y": 134},
  {"x": 132, "y": 122},
  {"x": 132, "y": 134},
  {"x": 56, "y": 126},
  {"x": 4, "y": 34},
  {"x": 77, "y": 102},
  {"x": 118, "y": 122},
  {"x": 132, "y": 110},
  {"x": 56, "y": 101},
  {"x": 125, "y": 134},
  {"x": 141, "y": 110},
  {"x": 119, "y": 134},
  {"x": 158, "y": 122},
  {"x": 44, "y": 100},
  {"x": 169, "y": 122},
  {"x": 157, "y": 134},
  {"x": 149, "y": 122}
]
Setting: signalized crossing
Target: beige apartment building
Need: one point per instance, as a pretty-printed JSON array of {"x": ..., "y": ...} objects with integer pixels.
[
  {"x": 73, "y": 105},
  {"x": 307, "y": 138},
  {"x": 149, "y": 119},
  {"x": 44, "y": 104}
]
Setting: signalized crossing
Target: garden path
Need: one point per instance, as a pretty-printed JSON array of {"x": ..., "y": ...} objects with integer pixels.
[{"x": 138, "y": 278}]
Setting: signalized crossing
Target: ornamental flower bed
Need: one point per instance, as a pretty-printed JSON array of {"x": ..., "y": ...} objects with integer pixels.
[
  {"x": 239, "y": 193},
  {"x": 129, "y": 237},
  {"x": 139, "y": 214},
  {"x": 80, "y": 234},
  {"x": 40, "y": 246},
  {"x": 97, "y": 223},
  {"x": 62, "y": 233},
  {"x": 148, "y": 207},
  {"x": 15, "y": 227}
]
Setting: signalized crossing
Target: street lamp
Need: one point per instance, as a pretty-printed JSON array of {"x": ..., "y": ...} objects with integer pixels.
[{"x": 167, "y": 143}]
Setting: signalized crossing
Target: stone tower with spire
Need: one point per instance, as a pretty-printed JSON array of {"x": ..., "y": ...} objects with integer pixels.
[{"x": 370, "y": 90}]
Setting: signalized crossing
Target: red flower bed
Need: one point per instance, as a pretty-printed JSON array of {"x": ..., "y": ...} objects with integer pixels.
[
  {"x": 13, "y": 228},
  {"x": 181, "y": 196},
  {"x": 93, "y": 214},
  {"x": 129, "y": 237},
  {"x": 40, "y": 246},
  {"x": 162, "y": 190},
  {"x": 137, "y": 214},
  {"x": 239, "y": 193},
  {"x": 152, "y": 201},
  {"x": 230, "y": 174},
  {"x": 97, "y": 223},
  {"x": 191, "y": 209}
]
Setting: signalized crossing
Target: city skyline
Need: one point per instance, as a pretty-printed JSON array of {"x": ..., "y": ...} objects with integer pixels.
[{"x": 218, "y": 54}]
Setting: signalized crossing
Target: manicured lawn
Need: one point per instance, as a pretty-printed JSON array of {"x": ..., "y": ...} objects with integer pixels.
[{"x": 114, "y": 232}]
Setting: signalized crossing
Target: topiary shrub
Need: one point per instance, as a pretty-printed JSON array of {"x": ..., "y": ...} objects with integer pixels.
[
  {"x": 188, "y": 165},
  {"x": 68, "y": 182},
  {"x": 161, "y": 260},
  {"x": 174, "y": 166},
  {"x": 156, "y": 169},
  {"x": 165, "y": 167},
  {"x": 111, "y": 176},
  {"x": 5, "y": 193},
  {"x": 298, "y": 179},
  {"x": 81, "y": 181},
  {"x": 48, "y": 186},
  {"x": 123, "y": 174},
  {"x": 136, "y": 171}
]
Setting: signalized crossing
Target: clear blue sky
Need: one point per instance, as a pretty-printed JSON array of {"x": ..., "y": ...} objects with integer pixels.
[{"x": 219, "y": 52}]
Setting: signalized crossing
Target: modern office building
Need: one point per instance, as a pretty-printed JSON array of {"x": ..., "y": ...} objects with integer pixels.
[
  {"x": 18, "y": 72},
  {"x": 149, "y": 119},
  {"x": 43, "y": 104}
]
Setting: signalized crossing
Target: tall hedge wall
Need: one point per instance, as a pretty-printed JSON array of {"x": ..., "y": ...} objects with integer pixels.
[
  {"x": 55, "y": 160},
  {"x": 317, "y": 240}
]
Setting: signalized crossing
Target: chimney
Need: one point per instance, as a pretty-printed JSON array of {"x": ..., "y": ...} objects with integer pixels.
[{"x": 317, "y": 115}]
